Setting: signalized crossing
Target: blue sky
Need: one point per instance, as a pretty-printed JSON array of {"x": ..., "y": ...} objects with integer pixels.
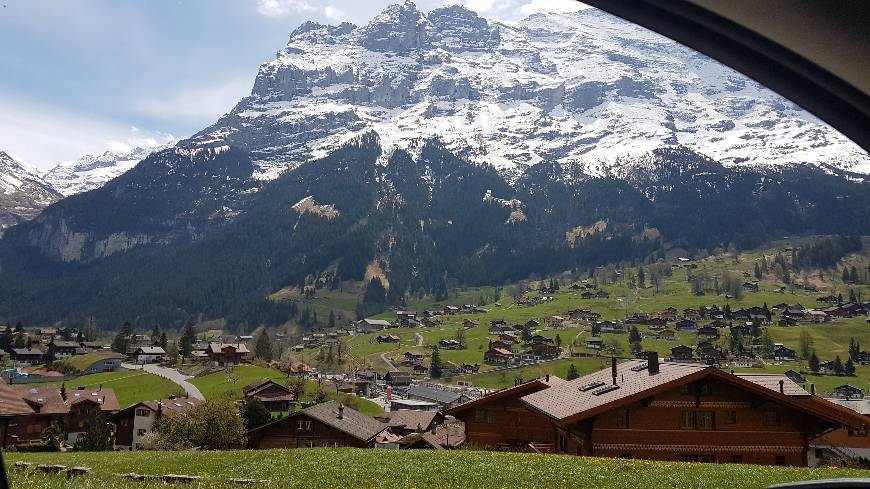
[{"x": 85, "y": 76}]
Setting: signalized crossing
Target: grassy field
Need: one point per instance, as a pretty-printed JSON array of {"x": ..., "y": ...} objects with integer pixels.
[
  {"x": 230, "y": 383},
  {"x": 327, "y": 468},
  {"x": 129, "y": 387}
]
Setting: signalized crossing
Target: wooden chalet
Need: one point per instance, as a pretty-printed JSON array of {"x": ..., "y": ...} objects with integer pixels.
[
  {"x": 658, "y": 411},
  {"x": 406, "y": 421},
  {"x": 682, "y": 353},
  {"x": 27, "y": 356},
  {"x": 498, "y": 356},
  {"x": 784, "y": 354},
  {"x": 227, "y": 354},
  {"x": 398, "y": 378},
  {"x": 274, "y": 396},
  {"x": 328, "y": 424}
]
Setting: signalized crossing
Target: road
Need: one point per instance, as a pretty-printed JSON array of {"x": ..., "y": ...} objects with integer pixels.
[
  {"x": 387, "y": 361},
  {"x": 419, "y": 339},
  {"x": 169, "y": 374}
]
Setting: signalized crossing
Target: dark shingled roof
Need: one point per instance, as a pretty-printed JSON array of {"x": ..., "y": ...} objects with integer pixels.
[
  {"x": 44, "y": 398},
  {"x": 408, "y": 418},
  {"x": 352, "y": 422},
  {"x": 434, "y": 394}
]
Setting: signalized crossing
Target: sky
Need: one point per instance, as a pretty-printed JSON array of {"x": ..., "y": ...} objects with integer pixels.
[{"x": 86, "y": 76}]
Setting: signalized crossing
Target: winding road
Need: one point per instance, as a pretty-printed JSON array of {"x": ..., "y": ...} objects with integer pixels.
[
  {"x": 419, "y": 338},
  {"x": 169, "y": 374}
]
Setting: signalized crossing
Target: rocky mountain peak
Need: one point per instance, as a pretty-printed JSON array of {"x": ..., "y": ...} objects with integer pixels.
[{"x": 399, "y": 28}]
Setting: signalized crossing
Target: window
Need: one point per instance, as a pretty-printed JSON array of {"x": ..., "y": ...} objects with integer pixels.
[
  {"x": 686, "y": 389},
  {"x": 770, "y": 418},
  {"x": 694, "y": 457},
  {"x": 143, "y": 413},
  {"x": 860, "y": 433},
  {"x": 624, "y": 455},
  {"x": 706, "y": 389},
  {"x": 141, "y": 432},
  {"x": 780, "y": 460},
  {"x": 730, "y": 417},
  {"x": 304, "y": 425},
  {"x": 736, "y": 458},
  {"x": 698, "y": 420},
  {"x": 622, "y": 418}
]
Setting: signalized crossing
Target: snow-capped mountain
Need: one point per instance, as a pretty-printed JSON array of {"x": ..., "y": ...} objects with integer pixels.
[
  {"x": 23, "y": 193},
  {"x": 93, "y": 171},
  {"x": 583, "y": 89}
]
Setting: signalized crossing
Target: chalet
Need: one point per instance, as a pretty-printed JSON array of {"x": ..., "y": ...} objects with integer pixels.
[
  {"x": 636, "y": 318},
  {"x": 328, "y": 424},
  {"x": 611, "y": 327},
  {"x": 784, "y": 354},
  {"x": 718, "y": 324},
  {"x": 502, "y": 344},
  {"x": 46, "y": 334},
  {"x": 498, "y": 356},
  {"x": 227, "y": 354},
  {"x": 450, "y": 344},
  {"x": 843, "y": 445},
  {"x": 58, "y": 350},
  {"x": 687, "y": 325},
  {"x": 411, "y": 358},
  {"x": 750, "y": 286},
  {"x": 682, "y": 353},
  {"x": 388, "y": 338},
  {"x": 420, "y": 369},
  {"x": 469, "y": 368},
  {"x": 449, "y": 368},
  {"x": 555, "y": 321},
  {"x": 429, "y": 322},
  {"x": 666, "y": 334},
  {"x": 407, "y": 321},
  {"x": 444, "y": 398},
  {"x": 545, "y": 348},
  {"x": 697, "y": 413},
  {"x": 355, "y": 387},
  {"x": 847, "y": 391},
  {"x": 532, "y": 324},
  {"x": 273, "y": 395},
  {"x": 656, "y": 323},
  {"x": 583, "y": 315},
  {"x": 708, "y": 332},
  {"x": 787, "y": 321},
  {"x": 451, "y": 310},
  {"x": 367, "y": 375},
  {"x": 711, "y": 355},
  {"x": 299, "y": 369},
  {"x": 594, "y": 342},
  {"x": 412, "y": 404},
  {"x": 135, "y": 421},
  {"x": 27, "y": 356},
  {"x": 91, "y": 346},
  {"x": 692, "y": 314},
  {"x": 407, "y": 421},
  {"x": 398, "y": 378},
  {"x": 815, "y": 316},
  {"x": 84, "y": 404},
  {"x": 148, "y": 354},
  {"x": 508, "y": 338},
  {"x": 371, "y": 325},
  {"x": 470, "y": 323},
  {"x": 830, "y": 299},
  {"x": 599, "y": 294},
  {"x": 27, "y": 409}
]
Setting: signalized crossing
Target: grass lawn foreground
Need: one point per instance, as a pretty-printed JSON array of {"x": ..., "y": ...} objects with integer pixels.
[{"x": 360, "y": 468}]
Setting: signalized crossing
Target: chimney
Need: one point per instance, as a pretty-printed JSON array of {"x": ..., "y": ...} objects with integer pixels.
[
  {"x": 782, "y": 387},
  {"x": 613, "y": 368},
  {"x": 652, "y": 362},
  {"x": 341, "y": 411},
  {"x": 812, "y": 389}
]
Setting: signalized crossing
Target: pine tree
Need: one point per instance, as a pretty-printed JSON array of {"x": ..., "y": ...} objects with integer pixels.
[
  {"x": 849, "y": 368},
  {"x": 846, "y": 277},
  {"x": 806, "y": 343},
  {"x": 263, "y": 346},
  {"x": 853, "y": 275},
  {"x": 814, "y": 363},
  {"x": 188, "y": 337},
  {"x": 641, "y": 277},
  {"x": 572, "y": 372},
  {"x": 558, "y": 341},
  {"x": 838, "y": 365},
  {"x": 435, "y": 364},
  {"x": 757, "y": 271},
  {"x": 155, "y": 336},
  {"x": 331, "y": 319},
  {"x": 164, "y": 341}
]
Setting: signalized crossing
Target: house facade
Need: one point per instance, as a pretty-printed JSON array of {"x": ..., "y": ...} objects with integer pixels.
[
  {"x": 328, "y": 424},
  {"x": 134, "y": 422},
  {"x": 697, "y": 413},
  {"x": 227, "y": 354}
]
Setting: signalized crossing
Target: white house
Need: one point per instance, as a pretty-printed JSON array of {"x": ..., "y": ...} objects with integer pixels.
[{"x": 148, "y": 354}]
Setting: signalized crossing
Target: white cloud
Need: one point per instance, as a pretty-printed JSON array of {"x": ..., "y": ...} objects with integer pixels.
[
  {"x": 45, "y": 135},
  {"x": 282, "y": 8},
  {"x": 197, "y": 104}
]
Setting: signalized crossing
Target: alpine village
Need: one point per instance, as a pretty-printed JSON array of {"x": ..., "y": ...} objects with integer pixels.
[{"x": 302, "y": 295}]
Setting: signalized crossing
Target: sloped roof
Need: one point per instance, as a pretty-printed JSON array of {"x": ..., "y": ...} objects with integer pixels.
[
  {"x": 408, "y": 418},
  {"x": 351, "y": 422},
  {"x": 521, "y": 389},
  {"x": 104, "y": 397},
  {"x": 165, "y": 406},
  {"x": 11, "y": 402},
  {"x": 151, "y": 350},
  {"x": 45, "y": 398},
  {"x": 431, "y": 393},
  {"x": 27, "y": 351},
  {"x": 219, "y": 347},
  {"x": 567, "y": 403}
]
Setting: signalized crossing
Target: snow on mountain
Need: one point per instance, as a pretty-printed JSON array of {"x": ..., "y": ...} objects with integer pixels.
[
  {"x": 23, "y": 193},
  {"x": 93, "y": 171},
  {"x": 584, "y": 89}
]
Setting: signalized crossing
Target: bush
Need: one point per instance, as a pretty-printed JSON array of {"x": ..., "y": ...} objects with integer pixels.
[{"x": 212, "y": 425}]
